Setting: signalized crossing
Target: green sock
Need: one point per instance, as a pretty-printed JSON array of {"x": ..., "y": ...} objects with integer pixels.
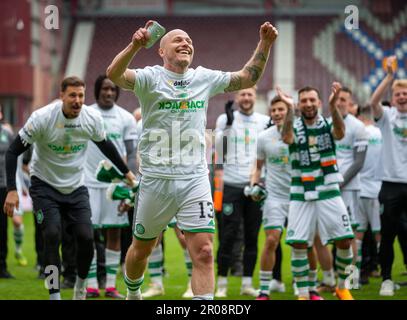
[
  {"x": 18, "y": 237},
  {"x": 342, "y": 261},
  {"x": 300, "y": 270},
  {"x": 133, "y": 286},
  {"x": 265, "y": 279}
]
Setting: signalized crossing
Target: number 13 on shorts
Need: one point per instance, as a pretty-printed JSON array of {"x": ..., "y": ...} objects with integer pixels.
[{"x": 206, "y": 209}]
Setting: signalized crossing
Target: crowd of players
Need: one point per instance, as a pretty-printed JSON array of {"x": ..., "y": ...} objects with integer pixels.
[{"x": 324, "y": 180}]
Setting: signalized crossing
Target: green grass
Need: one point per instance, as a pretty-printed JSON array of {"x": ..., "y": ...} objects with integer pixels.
[{"x": 26, "y": 286}]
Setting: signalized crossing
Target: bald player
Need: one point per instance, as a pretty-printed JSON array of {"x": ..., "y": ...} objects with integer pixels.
[{"x": 174, "y": 101}]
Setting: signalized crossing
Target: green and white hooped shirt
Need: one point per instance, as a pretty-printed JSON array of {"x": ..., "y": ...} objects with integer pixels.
[{"x": 326, "y": 186}]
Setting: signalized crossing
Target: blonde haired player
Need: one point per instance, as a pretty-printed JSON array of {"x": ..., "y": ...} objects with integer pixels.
[{"x": 392, "y": 122}]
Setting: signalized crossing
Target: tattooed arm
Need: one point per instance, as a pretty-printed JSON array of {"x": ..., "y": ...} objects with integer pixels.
[
  {"x": 287, "y": 133},
  {"x": 118, "y": 70},
  {"x": 252, "y": 71}
]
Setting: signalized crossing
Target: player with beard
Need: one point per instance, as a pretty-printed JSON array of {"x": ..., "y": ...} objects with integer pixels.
[
  {"x": 60, "y": 133},
  {"x": 174, "y": 100},
  {"x": 351, "y": 153},
  {"x": 316, "y": 205}
]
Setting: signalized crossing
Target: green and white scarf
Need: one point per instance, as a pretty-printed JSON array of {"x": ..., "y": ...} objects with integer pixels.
[{"x": 315, "y": 172}]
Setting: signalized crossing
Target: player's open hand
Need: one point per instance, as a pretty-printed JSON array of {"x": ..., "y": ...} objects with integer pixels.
[
  {"x": 11, "y": 203},
  {"x": 141, "y": 36},
  {"x": 287, "y": 99},
  {"x": 391, "y": 65},
  {"x": 268, "y": 32},
  {"x": 336, "y": 86}
]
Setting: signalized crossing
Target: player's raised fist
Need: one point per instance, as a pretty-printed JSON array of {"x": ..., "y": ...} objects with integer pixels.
[
  {"x": 391, "y": 64},
  {"x": 268, "y": 32}
]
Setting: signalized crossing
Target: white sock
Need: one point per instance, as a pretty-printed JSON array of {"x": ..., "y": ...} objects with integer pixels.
[
  {"x": 188, "y": 262},
  {"x": 300, "y": 270},
  {"x": 55, "y": 296},
  {"x": 133, "y": 286},
  {"x": 312, "y": 282},
  {"x": 208, "y": 296},
  {"x": 18, "y": 237},
  {"x": 112, "y": 266},
  {"x": 328, "y": 277},
  {"x": 222, "y": 282},
  {"x": 342, "y": 261},
  {"x": 265, "y": 279},
  {"x": 247, "y": 282},
  {"x": 155, "y": 266},
  {"x": 80, "y": 283}
]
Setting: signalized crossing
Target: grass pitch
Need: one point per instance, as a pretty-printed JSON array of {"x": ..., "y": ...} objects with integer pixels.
[{"x": 26, "y": 286}]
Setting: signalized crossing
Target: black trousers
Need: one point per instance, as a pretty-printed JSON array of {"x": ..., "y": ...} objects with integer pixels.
[
  {"x": 236, "y": 263},
  {"x": 3, "y": 231},
  {"x": 50, "y": 208},
  {"x": 100, "y": 247},
  {"x": 238, "y": 207},
  {"x": 127, "y": 236},
  {"x": 68, "y": 252},
  {"x": 402, "y": 236},
  {"x": 370, "y": 257},
  {"x": 278, "y": 262},
  {"x": 393, "y": 196},
  {"x": 39, "y": 244}
]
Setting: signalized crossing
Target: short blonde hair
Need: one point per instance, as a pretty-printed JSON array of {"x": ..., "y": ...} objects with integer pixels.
[
  {"x": 401, "y": 83},
  {"x": 253, "y": 87}
]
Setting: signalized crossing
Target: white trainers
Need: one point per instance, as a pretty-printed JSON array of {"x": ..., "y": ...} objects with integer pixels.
[
  {"x": 277, "y": 286},
  {"x": 188, "y": 293},
  {"x": 222, "y": 292},
  {"x": 249, "y": 291},
  {"x": 134, "y": 296},
  {"x": 153, "y": 291},
  {"x": 79, "y": 293},
  {"x": 387, "y": 288}
]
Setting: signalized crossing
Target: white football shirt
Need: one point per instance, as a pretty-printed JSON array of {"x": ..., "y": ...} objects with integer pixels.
[
  {"x": 174, "y": 106},
  {"x": 60, "y": 144},
  {"x": 355, "y": 136},
  {"x": 274, "y": 152},
  {"x": 393, "y": 162},
  {"x": 241, "y": 145}
]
